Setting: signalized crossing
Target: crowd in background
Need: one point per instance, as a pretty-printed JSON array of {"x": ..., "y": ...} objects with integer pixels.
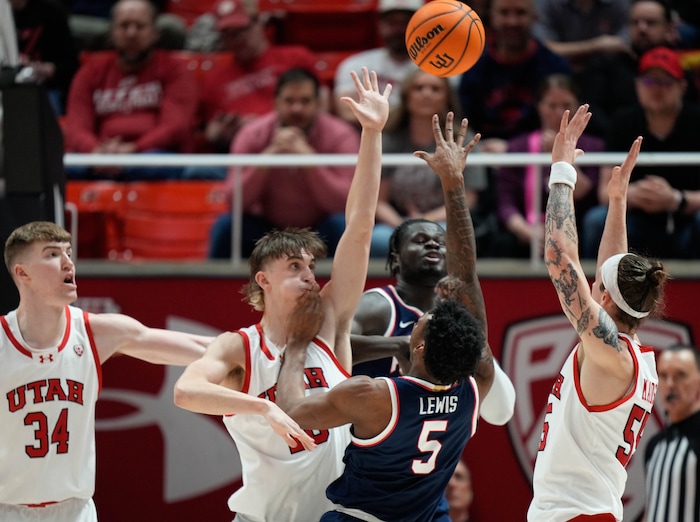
[{"x": 119, "y": 77}]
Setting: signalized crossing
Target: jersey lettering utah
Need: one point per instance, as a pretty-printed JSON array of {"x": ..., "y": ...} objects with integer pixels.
[{"x": 45, "y": 390}]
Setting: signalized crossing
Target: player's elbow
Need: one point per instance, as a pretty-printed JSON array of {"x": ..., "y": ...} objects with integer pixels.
[{"x": 183, "y": 396}]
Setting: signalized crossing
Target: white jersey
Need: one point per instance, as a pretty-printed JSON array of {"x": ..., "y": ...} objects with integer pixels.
[
  {"x": 580, "y": 467},
  {"x": 47, "y": 452},
  {"x": 280, "y": 483}
]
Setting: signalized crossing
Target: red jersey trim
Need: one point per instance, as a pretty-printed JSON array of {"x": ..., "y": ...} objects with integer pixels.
[
  {"x": 66, "y": 334},
  {"x": 324, "y": 347},
  {"x": 246, "y": 351},
  {"x": 646, "y": 349},
  {"x": 612, "y": 405},
  {"x": 25, "y": 351},
  {"x": 93, "y": 349},
  {"x": 12, "y": 338},
  {"x": 248, "y": 361},
  {"x": 393, "y": 421},
  {"x": 263, "y": 344}
]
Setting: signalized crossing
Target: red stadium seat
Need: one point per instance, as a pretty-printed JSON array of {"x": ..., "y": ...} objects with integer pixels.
[
  {"x": 329, "y": 25},
  {"x": 327, "y": 63},
  {"x": 189, "y": 10},
  {"x": 98, "y": 207},
  {"x": 171, "y": 219}
]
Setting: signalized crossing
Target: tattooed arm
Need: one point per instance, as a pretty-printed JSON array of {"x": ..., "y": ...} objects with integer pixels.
[
  {"x": 603, "y": 364},
  {"x": 448, "y": 163}
]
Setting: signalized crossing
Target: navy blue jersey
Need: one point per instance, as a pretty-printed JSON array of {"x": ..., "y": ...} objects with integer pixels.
[
  {"x": 403, "y": 319},
  {"x": 401, "y": 474}
]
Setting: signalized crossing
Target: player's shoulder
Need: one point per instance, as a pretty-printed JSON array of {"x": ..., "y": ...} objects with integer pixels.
[{"x": 373, "y": 301}]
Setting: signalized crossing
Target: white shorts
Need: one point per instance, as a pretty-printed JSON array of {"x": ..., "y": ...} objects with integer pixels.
[{"x": 71, "y": 510}]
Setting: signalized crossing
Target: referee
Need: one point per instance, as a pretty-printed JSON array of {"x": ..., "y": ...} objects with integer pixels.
[{"x": 671, "y": 457}]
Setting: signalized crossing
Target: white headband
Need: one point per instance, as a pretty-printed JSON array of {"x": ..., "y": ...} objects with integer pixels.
[{"x": 608, "y": 272}]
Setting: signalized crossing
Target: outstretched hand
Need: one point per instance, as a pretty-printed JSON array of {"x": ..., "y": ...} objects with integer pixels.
[
  {"x": 564, "y": 148},
  {"x": 620, "y": 179},
  {"x": 289, "y": 430},
  {"x": 450, "y": 156},
  {"x": 372, "y": 107}
]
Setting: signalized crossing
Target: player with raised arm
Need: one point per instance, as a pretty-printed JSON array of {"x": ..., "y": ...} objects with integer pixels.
[
  {"x": 408, "y": 432},
  {"x": 605, "y": 390},
  {"x": 237, "y": 377}
]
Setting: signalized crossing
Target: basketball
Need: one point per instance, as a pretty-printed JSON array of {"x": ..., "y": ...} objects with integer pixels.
[{"x": 445, "y": 37}]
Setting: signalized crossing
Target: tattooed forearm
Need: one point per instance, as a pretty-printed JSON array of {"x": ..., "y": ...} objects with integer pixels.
[
  {"x": 461, "y": 243},
  {"x": 566, "y": 284},
  {"x": 607, "y": 330},
  {"x": 461, "y": 253},
  {"x": 560, "y": 214}
]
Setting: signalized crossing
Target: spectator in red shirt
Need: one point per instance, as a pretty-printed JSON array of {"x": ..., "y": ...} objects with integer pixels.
[
  {"x": 135, "y": 99},
  {"x": 236, "y": 94},
  {"x": 280, "y": 197}
]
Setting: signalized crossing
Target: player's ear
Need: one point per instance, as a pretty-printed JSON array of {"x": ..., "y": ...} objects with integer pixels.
[
  {"x": 394, "y": 266},
  {"x": 19, "y": 272},
  {"x": 262, "y": 280}
]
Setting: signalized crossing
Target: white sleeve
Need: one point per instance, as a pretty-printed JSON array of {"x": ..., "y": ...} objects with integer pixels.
[{"x": 498, "y": 406}]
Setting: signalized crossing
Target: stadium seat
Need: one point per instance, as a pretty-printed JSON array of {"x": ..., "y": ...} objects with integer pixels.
[
  {"x": 327, "y": 63},
  {"x": 98, "y": 208},
  {"x": 331, "y": 25},
  {"x": 171, "y": 219},
  {"x": 189, "y": 10}
]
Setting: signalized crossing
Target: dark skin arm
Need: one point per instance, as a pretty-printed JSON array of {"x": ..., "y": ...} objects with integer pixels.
[
  {"x": 448, "y": 163},
  {"x": 367, "y": 339},
  {"x": 360, "y": 400}
]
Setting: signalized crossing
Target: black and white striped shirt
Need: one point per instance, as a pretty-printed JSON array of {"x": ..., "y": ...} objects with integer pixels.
[{"x": 672, "y": 473}]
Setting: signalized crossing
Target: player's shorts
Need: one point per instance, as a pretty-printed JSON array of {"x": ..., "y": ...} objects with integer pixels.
[{"x": 71, "y": 510}]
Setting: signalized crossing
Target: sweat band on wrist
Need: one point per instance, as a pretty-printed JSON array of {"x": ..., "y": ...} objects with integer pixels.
[{"x": 562, "y": 172}]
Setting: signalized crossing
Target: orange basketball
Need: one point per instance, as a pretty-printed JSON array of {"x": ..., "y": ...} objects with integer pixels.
[{"x": 445, "y": 37}]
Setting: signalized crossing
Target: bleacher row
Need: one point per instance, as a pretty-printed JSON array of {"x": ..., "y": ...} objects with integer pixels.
[
  {"x": 167, "y": 220},
  {"x": 171, "y": 220},
  {"x": 321, "y": 25}
]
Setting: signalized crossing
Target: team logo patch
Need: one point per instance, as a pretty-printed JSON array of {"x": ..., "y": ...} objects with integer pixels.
[
  {"x": 533, "y": 354},
  {"x": 79, "y": 350}
]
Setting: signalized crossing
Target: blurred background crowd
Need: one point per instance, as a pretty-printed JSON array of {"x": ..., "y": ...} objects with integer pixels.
[{"x": 267, "y": 76}]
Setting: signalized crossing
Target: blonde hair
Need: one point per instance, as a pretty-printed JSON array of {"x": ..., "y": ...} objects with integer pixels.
[
  {"x": 25, "y": 236},
  {"x": 277, "y": 245}
]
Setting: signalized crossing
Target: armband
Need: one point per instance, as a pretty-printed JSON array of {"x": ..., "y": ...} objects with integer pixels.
[{"x": 562, "y": 172}]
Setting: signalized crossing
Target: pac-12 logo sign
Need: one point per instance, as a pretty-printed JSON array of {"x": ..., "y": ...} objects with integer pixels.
[{"x": 533, "y": 354}]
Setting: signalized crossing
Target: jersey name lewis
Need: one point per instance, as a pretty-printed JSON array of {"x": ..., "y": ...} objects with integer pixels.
[
  {"x": 437, "y": 405},
  {"x": 45, "y": 390}
]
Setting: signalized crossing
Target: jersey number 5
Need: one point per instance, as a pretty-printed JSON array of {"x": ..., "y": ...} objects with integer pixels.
[
  {"x": 638, "y": 416},
  {"x": 426, "y": 445},
  {"x": 59, "y": 434}
]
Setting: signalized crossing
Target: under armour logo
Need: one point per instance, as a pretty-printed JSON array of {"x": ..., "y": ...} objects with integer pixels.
[
  {"x": 191, "y": 469},
  {"x": 45, "y": 358}
]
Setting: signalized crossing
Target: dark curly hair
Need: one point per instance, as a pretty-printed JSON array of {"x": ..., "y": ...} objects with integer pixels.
[{"x": 454, "y": 340}]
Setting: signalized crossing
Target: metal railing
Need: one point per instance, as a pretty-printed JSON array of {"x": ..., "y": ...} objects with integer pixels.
[{"x": 295, "y": 160}]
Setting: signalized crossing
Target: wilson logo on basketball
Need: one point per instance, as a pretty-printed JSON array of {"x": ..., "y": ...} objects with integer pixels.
[{"x": 421, "y": 42}]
